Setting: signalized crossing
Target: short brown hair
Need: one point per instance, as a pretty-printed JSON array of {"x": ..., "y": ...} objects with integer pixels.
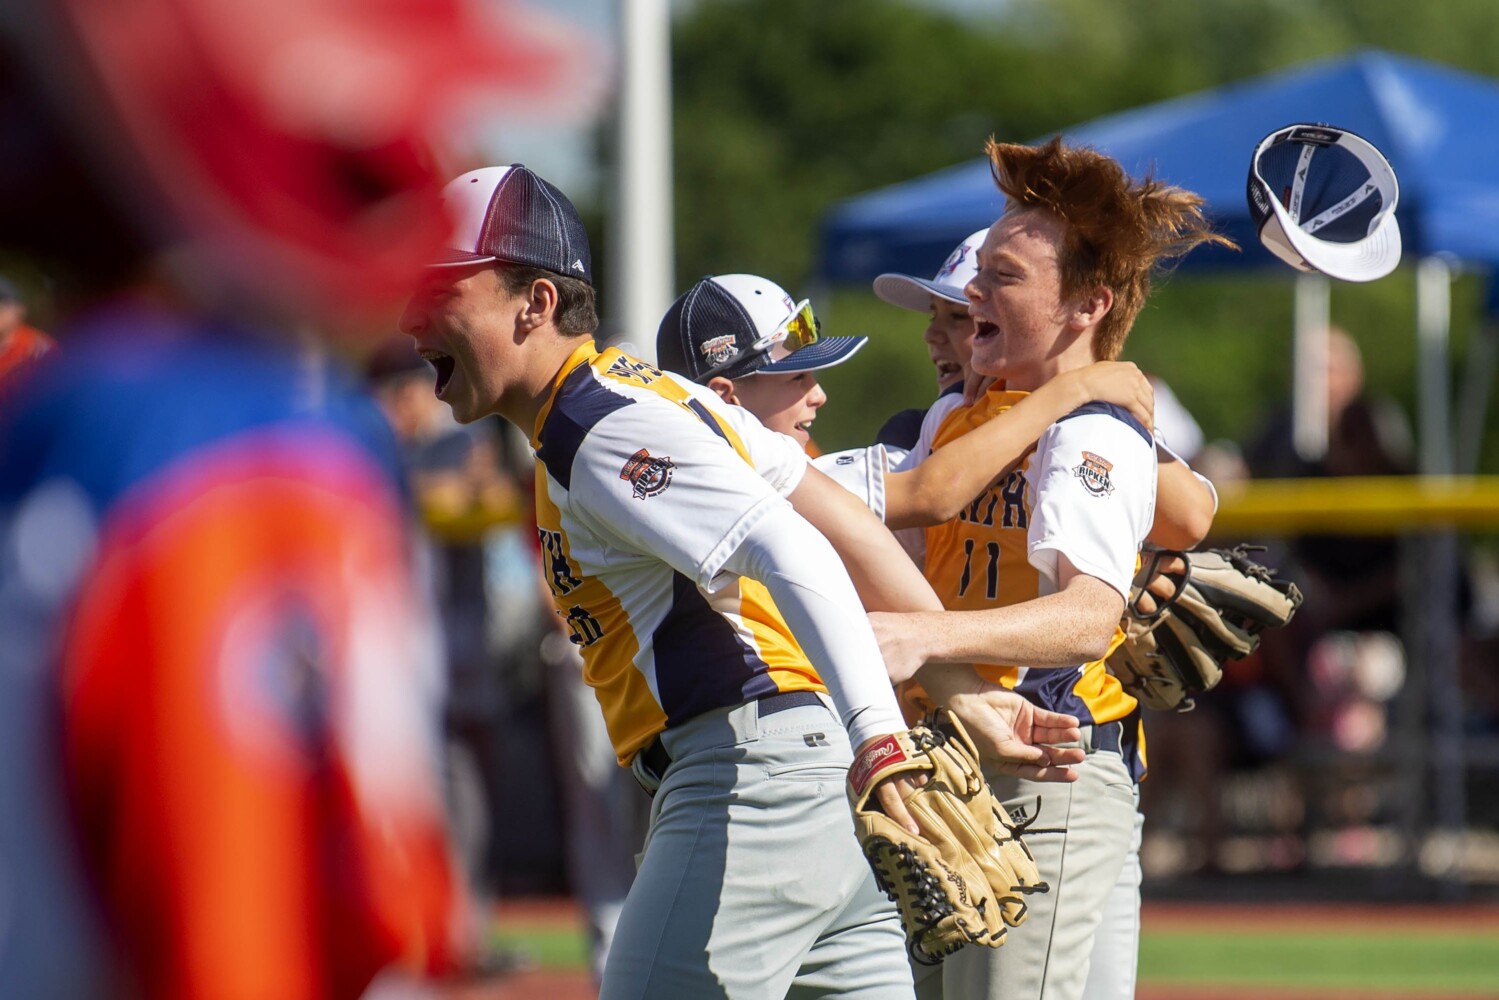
[
  {"x": 577, "y": 313},
  {"x": 1117, "y": 230}
]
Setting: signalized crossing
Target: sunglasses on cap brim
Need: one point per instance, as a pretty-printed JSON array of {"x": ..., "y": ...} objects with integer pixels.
[{"x": 802, "y": 329}]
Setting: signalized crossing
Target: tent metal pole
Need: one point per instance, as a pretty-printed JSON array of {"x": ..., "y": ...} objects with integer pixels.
[
  {"x": 1312, "y": 315},
  {"x": 1440, "y": 624},
  {"x": 1433, "y": 329}
]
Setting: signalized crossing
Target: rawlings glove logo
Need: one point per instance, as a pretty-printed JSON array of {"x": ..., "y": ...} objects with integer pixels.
[{"x": 879, "y": 755}]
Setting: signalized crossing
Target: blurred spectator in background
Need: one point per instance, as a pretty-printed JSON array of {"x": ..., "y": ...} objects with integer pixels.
[
  {"x": 454, "y": 471},
  {"x": 1351, "y": 582},
  {"x": 1325, "y": 678},
  {"x": 1323, "y": 682},
  {"x": 603, "y": 807},
  {"x": 218, "y": 680},
  {"x": 19, "y": 344}
]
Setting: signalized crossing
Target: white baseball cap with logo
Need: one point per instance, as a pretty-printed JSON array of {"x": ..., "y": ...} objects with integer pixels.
[
  {"x": 911, "y": 292},
  {"x": 1323, "y": 199}
]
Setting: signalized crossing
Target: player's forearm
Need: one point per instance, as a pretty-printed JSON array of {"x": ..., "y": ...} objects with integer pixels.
[
  {"x": 882, "y": 572},
  {"x": 1072, "y": 626},
  {"x": 817, "y": 599},
  {"x": 949, "y": 479},
  {"x": 1184, "y": 507}
]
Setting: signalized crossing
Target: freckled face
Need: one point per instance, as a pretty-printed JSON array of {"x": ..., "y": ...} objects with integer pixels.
[{"x": 1016, "y": 298}]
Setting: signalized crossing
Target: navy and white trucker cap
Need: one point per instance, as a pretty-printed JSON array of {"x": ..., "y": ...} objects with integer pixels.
[
  {"x": 509, "y": 214},
  {"x": 741, "y": 324},
  {"x": 911, "y": 292},
  {"x": 1323, "y": 199}
]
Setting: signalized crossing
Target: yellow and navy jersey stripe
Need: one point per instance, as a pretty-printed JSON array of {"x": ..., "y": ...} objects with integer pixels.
[
  {"x": 981, "y": 560},
  {"x": 644, "y": 485}
]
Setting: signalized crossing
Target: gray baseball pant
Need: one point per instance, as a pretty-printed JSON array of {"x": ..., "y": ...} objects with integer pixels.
[
  {"x": 752, "y": 885},
  {"x": 1081, "y": 840}
]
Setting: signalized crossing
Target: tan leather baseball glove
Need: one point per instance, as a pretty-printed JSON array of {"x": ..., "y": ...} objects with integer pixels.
[
  {"x": 1218, "y": 604},
  {"x": 965, "y": 878}
]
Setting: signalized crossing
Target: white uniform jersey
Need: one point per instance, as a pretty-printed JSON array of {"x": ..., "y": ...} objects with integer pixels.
[
  {"x": 1093, "y": 510},
  {"x": 862, "y": 472},
  {"x": 645, "y": 485},
  {"x": 1087, "y": 493}
]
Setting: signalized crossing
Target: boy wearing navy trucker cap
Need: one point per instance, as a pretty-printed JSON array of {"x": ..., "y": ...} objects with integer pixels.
[
  {"x": 726, "y": 643},
  {"x": 743, "y": 336}
]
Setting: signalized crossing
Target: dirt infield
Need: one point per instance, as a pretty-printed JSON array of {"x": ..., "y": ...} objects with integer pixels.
[
  {"x": 543, "y": 985},
  {"x": 553, "y": 984}
]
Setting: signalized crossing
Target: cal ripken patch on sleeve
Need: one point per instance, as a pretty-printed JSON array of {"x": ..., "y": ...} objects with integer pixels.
[
  {"x": 647, "y": 474},
  {"x": 1094, "y": 473}
]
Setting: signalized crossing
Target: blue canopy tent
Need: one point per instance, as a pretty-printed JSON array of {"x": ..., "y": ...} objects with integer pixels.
[
  {"x": 1429, "y": 120},
  {"x": 1434, "y": 124}
]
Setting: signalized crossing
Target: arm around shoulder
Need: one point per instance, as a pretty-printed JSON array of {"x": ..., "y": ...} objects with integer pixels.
[{"x": 1184, "y": 508}]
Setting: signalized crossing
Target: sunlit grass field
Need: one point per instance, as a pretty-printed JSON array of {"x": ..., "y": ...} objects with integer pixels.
[
  {"x": 1388, "y": 960},
  {"x": 1463, "y": 964}
]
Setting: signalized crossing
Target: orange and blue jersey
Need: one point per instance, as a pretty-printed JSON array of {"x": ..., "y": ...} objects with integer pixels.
[
  {"x": 645, "y": 485},
  {"x": 237, "y": 671},
  {"x": 1086, "y": 492}
]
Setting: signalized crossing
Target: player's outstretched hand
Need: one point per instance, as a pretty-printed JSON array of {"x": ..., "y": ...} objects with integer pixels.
[
  {"x": 975, "y": 385},
  {"x": 1013, "y": 735}
]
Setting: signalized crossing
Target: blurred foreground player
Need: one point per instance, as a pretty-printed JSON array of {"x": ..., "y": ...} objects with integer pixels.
[
  {"x": 21, "y": 345},
  {"x": 217, "y": 683}
]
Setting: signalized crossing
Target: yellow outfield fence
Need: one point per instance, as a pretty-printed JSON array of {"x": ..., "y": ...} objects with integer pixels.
[
  {"x": 1380, "y": 505},
  {"x": 1375, "y": 505}
]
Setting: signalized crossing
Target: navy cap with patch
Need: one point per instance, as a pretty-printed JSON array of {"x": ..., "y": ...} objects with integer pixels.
[{"x": 735, "y": 325}]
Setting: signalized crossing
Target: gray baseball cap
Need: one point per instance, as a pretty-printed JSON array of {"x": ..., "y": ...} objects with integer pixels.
[{"x": 510, "y": 214}]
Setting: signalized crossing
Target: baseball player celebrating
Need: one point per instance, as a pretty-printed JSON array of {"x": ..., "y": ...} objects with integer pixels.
[
  {"x": 683, "y": 575},
  {"x": 1044, "y": 560},
  {"x": 745, "y": 338},
  {"x": 948, "y": 334}
]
